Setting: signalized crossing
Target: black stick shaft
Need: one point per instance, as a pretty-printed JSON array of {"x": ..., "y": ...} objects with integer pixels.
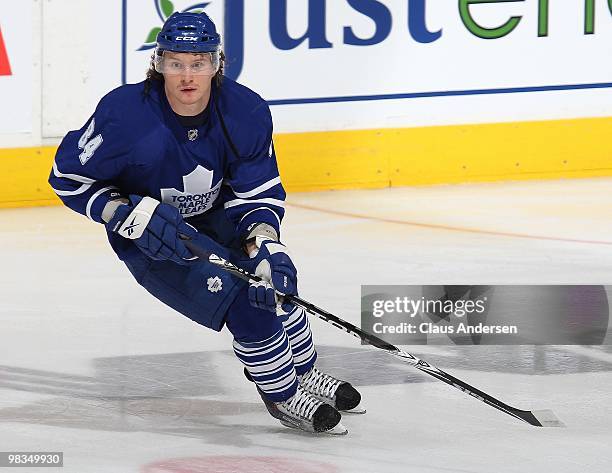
[{"x": 526, "y": 416}]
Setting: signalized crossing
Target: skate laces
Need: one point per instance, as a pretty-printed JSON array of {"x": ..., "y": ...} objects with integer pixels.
[
  {"x": 320, "y": 384},
  {"x": 302, "y": 404}
]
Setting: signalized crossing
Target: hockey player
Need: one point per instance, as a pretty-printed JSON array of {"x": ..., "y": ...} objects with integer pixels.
[{"x": 188, "y": 153}]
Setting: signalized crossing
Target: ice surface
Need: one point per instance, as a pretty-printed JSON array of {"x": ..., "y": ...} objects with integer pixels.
[{"x": 93, "y": 366}]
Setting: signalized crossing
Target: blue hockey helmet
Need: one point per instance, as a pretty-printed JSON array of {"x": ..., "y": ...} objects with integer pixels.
[{"x": 189, "y": 33}]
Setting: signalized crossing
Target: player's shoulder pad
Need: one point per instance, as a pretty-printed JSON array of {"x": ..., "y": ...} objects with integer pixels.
[
  {"x": 116, "y": 125},
  {"x": 246, "y": 115},
  {"x": 128, "y": 113},
  {"x": 128, "y": 97}
]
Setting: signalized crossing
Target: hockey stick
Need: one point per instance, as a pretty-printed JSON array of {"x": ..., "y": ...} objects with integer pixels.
[{"x": 540, "y": 418}]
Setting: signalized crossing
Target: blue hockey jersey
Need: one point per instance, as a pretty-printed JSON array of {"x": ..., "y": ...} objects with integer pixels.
[{"x": 135, "y": 144}]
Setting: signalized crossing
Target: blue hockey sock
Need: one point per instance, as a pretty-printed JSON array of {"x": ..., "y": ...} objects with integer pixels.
[
  {"x": 270, "y": 364},
  {"x": 298, "y": 330}
]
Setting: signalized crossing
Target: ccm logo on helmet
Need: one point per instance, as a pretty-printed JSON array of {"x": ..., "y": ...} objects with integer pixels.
[{"x": 186, "y": 38}]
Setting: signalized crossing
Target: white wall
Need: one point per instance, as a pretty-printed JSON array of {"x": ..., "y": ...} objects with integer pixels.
[
  {"x": 82, "y": 54},
  {"x": 20, "y": 90}
]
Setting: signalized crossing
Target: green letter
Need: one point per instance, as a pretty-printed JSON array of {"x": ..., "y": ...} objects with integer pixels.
[
  {"x": 543, "y": 18},
  {"x": 486, "y": 33},
  {"x": 589, "y": 17}
]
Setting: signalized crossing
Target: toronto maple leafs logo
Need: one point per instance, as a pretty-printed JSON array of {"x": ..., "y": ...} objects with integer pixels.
[
  {"x": 215, "y": 284},
  {"x": 198, "y": 194}
]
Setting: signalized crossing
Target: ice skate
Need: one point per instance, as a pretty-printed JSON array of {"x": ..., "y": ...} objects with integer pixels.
[
  {"x": 304, "y": 412},
  {"x": 335, "y": 392}
]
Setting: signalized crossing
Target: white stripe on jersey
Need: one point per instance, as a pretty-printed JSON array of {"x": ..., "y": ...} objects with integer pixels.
[
  {"x": 237, "y": 202},
  {"x": 73, "y": 177},
  {"x": 258, "y": 190},
  {"x": 78, "y": 191},
  {"x": 94, "y": 197},
  {"x": 262, "y": 208}
]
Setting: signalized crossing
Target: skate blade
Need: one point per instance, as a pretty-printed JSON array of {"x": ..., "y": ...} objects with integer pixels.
[
  {"x": 338, "y": 429},
  {"x": 359, "y": 409}
]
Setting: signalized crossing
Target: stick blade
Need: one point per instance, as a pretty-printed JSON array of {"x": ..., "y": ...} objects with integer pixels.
[{"x": 547, "y": 418}]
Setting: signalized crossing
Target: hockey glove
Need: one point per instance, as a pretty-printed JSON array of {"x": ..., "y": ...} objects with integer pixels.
[
  {"x": 154, "y": 227},
  {"x": 273, "y": 264}
]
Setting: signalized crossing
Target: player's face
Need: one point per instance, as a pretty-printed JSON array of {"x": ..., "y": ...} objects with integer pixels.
[{"x": 188, "y": 91}]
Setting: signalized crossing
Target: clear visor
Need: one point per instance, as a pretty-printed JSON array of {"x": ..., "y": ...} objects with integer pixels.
[{"x": 199, "y": 64}]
